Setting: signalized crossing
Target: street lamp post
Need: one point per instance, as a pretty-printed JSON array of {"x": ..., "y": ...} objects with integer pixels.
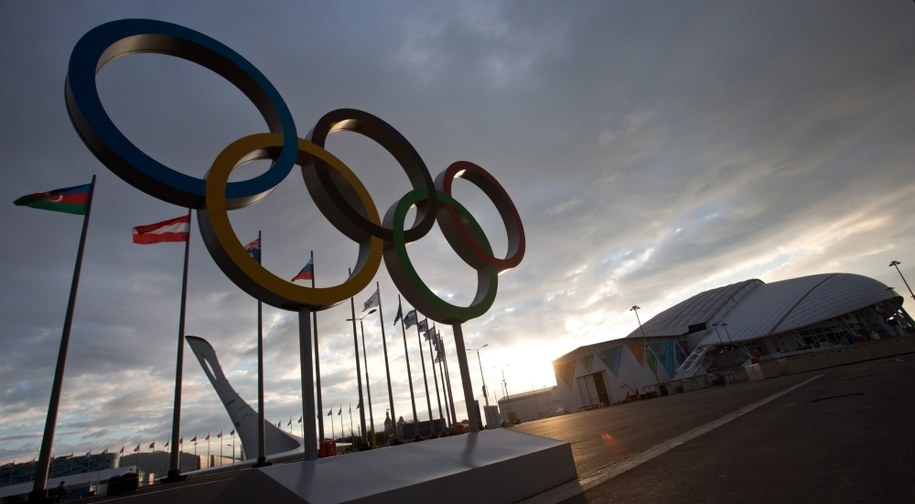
[
  {"x": 536, "y": 401},
  {"x": 731, "y": 341},
  {"x": 636, "y": 308},
  {"x": 728, "y": 333},
  {"x": 722, "y": 341},
  {"x": 483, "y": 378},
  {"x": 508, "y": 399},
  {"x": 358, "y": 369},
  {"x": 896, "y": 264},
  {"x": 368, "y": 386}
]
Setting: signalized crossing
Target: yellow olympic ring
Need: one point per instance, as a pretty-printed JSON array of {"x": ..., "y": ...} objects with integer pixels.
[{"x": 248, "y": 274}]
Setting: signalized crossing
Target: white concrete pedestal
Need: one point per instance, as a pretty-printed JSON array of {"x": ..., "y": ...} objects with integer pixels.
[{"x": 489, "y": 466}]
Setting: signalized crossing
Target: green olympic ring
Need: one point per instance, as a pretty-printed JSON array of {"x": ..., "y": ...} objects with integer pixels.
[{"x": 412, "y": 286}]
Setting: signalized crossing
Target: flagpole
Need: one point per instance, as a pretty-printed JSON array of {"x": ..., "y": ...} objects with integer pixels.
[
  {"x": 174, "y": 467},
  {"x": 447, "y": 380},
  {"x": 406, "y": 353},
  {"x": 352, "y": 305},
  {"x": 440, "y": 360},
  {"x": 39, "y": 492},
  {"x": 422, "y": 360},
  {"x": 438, "y": 398},
  {"x": 440, "y": 343},
  {"x": 368, "y": 388},
  {"x": 387, "y": 367},
  {"x": 340, "y": 414},
  {"x": 308, "y": 390},
  {"x": 261, "y": 419},
  {"x": 314, "y": 317},
  {"x": 444, "y": 391}
]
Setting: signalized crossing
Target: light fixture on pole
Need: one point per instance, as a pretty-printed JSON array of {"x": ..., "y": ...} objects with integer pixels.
[
  {"x": 728, "y": 333},
  {"x": 731, "y": 341},
  {"x": 508, "y": 399},
  {"x": 720, "y": 341},
  {"x": 368, "y": 387},
  {"x": 480, "y": 362},
  {"x": 352, "y": 307},
  {"x": 636, "y": 308},
  {"x": 896, "y": 264}
]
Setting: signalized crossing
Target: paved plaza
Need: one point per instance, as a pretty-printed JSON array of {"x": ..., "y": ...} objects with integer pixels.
[{"x": 837, "y": 435}]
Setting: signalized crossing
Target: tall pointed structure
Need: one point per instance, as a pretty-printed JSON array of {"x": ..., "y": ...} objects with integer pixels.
[{"x": 243, "y": 416}]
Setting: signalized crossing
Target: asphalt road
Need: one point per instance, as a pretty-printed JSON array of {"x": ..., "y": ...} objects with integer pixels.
[{"x": 838, "y": 435}]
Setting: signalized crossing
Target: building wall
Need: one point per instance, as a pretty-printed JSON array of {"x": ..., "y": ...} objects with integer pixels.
[
  {"x": 727, "y": 329},
  {"x": 606, "y": 374},
  {"x": 854, "y": 328},
  {"x": 530, "y": 406},
  {"x": 603, "y": 374}
]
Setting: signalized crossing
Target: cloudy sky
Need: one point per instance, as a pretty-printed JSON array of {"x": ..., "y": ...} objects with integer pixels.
[{"x": 653, "y": 149}]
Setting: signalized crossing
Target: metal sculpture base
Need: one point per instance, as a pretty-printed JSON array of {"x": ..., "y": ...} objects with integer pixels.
[{"x": 488, "y": 466}]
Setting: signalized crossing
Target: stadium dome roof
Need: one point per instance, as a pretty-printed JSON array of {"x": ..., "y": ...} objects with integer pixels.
[{"x": 752, "y": 309}]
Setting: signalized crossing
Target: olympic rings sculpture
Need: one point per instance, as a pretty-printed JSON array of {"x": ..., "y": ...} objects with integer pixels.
[{"x": 336, "y": 190}]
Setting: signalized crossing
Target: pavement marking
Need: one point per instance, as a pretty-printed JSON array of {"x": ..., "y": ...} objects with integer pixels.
[{"x": 613, "y": 470}]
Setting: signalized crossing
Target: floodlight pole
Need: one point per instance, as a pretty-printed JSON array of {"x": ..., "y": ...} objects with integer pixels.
[
  {"x": 508, "y": 398},
  {"x": 636, "y": 308},
  {"x": 731, "y": 341},
  {"x": 483, "y": 378},
  {"x": 896, "y": 264},
  {"x": 358, "y": 367},
  {"x": 715, "y": 325},
  {"x": 359, "y": 380}
]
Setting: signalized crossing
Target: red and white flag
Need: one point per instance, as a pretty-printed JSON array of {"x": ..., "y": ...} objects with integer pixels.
[{"x": 172, "y": 230}]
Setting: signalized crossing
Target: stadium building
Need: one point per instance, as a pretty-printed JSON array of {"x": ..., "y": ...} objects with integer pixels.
[{"x": 747, "y": 330}]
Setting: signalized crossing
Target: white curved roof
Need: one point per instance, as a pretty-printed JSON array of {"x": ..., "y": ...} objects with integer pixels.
[
  {"x": 752, "y": 309},
  {"x": 697, "y": 310}
]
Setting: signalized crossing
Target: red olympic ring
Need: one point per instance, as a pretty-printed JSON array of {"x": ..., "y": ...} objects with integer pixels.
[{"x": 463, "y": 240}]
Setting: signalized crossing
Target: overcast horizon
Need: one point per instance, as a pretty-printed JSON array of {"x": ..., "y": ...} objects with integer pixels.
[{"x": 654, "y": 150}]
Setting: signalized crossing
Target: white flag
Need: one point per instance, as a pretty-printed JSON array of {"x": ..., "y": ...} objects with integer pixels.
[{"x": 373, "y": 301}]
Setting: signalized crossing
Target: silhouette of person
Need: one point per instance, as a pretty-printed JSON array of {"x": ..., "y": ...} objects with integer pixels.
[{"x": 59, "y": 492}]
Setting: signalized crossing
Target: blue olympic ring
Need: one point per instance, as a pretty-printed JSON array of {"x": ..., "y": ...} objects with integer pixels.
[{"x": 118, "y": 38}]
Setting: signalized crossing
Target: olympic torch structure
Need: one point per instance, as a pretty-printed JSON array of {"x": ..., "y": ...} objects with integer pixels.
[{"x": 337, "y": 192}]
